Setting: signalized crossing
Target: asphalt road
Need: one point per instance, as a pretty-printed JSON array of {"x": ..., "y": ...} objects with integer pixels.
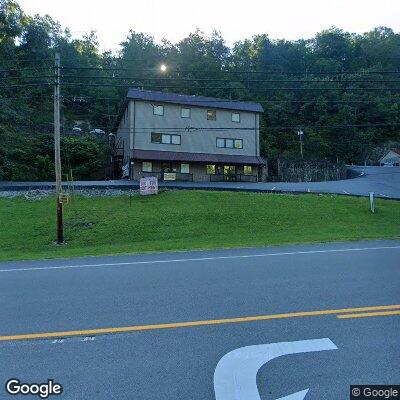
[
  {"x": 384, "y": 182},
  {"x": 206, "y": 291}
]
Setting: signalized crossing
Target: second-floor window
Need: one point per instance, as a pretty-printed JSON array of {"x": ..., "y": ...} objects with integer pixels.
[
  {"x": 158, "y": 110},
  {"x": 235, "y": 117},
  {"x": 211, "y": 115},
  {"x": 185, "y": 112},
  {"x": 228, "y": 143},
  {"x": 165, "y": 138}
]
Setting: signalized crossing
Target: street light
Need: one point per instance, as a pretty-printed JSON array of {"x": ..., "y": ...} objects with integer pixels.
[
  {"x": 300, "y": 133},
  {"x": 163, "y": 68}
]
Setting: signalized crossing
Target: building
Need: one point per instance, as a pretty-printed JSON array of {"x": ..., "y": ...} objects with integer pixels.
[
  {"x": 391, "y": 158},
  {"x": 183, "y": 137}
]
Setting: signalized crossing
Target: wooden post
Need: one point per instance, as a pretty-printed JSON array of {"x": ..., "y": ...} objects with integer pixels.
[{"x": 57, "y": 155}]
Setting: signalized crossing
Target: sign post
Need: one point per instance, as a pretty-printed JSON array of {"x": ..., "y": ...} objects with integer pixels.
[
  {"x": 148, "y": 185},
  {"x": 371, "y": 202}
]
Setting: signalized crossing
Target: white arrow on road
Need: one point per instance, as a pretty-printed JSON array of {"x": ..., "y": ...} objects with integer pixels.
[{"x": 235, "y": 377}]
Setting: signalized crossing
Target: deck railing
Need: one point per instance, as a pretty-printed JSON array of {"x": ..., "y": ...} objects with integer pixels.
[{"x": 233, "y": 178}]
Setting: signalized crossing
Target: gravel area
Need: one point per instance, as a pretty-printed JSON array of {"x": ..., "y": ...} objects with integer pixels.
[{"x": 37, "y": 194}]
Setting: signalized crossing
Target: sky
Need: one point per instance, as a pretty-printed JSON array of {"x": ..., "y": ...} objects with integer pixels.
[{"x": 236, "y": 20}]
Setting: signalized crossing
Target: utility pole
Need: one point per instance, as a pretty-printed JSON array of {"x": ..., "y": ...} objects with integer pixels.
[
  {"x": 301, "y": 133},
  {"x": 57, "y": 155}
]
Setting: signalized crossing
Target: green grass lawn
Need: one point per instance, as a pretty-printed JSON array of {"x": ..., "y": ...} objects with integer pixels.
[{"x": 180, "y": 220}]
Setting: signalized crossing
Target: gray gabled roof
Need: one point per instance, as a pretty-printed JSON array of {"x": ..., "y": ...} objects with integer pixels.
[{"x": 199, "y": 101}]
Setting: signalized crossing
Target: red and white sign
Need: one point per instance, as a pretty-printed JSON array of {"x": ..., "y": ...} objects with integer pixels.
[{"x": 148, "y": 185}]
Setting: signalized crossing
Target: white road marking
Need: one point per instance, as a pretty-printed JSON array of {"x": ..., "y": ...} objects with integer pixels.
[
  {"x": 235, "y": 377},
  {"x": 121, "y": 264}
]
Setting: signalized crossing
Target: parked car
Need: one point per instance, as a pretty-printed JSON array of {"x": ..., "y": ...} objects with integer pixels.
[{"x": 97, "y": 131}]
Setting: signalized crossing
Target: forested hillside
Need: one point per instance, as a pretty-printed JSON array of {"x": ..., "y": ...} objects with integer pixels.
[{"x": 342, "y": 89}]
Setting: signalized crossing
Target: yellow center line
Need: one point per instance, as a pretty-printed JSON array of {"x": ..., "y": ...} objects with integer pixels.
[
  {"x": 135, "y": 328},
  {"x": 370, "y": 314}
]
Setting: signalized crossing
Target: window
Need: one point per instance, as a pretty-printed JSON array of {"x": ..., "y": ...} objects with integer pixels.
[
  {"x": 158, "y": 110},
  {"x": 235, "y": 117},
  {"x": 185, "y": 112},
  {"x": 184, "y": 168},
  {"x": 147, "y": 166},
  {"x": 211, "y": 115},
  {"x": 238, "y": 144},
  {"x": 229, "y": 170},
  {"x": 248, "y": 169},
  {"x": 167, "y": 168},
  {"x": 229, "y": 143},
  {"x": 220, "y": 142},
  {"x": 210, "y": 168},
  {"x": 156, "y": 137},
  {"x": 165, "y": 138},
  {"x": 175, "y": 139}
]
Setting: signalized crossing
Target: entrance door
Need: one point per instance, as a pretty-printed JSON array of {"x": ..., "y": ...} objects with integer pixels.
[
  {"x": 168, "y": 172},
  {"x": 230, "y": 173}
]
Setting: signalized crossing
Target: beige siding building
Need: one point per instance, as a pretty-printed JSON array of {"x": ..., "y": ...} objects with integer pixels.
[{"x": 182, "y": 137}]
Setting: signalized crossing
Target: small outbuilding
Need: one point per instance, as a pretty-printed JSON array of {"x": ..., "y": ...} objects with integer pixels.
[{"x": 391, "y": 158}]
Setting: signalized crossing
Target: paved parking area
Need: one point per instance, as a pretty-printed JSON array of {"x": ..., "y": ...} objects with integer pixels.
[{"x": 383, "y": 181}]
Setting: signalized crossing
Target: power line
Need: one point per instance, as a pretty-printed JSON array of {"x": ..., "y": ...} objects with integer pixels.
[
  {"x": 227, "y": 128},
  {"x": 234, "y": 72},
  {"x": 207, "y": 79},
  {"x": 219, "y": 87},
  {"x": 199, "y": 87},
  {"x": 25, "y": 69},
  {"x": 336, "y": 126},
  {"x": 183, "y": 129},
  {"x": 228, "y": 81},
  {"x": 4, "y": 78},
  {"x": 76, "y": 99}
]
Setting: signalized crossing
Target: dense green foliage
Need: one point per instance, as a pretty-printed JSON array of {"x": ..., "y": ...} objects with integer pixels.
[
  {"x": 111, "y": 225},
  {"x": 31, "y": 157},
  {"x": 300, "y": 83}
]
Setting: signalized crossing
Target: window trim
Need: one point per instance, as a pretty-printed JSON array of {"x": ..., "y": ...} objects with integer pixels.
[
  {"x": 234, "y": 144},
  {"x": 216, "y": 143},
  {"x": 225, "y": 146},
  {"x": 214, "y": 113},
  {"x": 230, "y": 140},
  {"x": 175, "y": 135},
  {"x": 151, "y": 166},
  {"x": 215, "y": 169},
  {"x": 236, "y": 113},
  {"x": 154, "y": 109},
  {"x": 190, "y": 112},
  {"x": 170, "y": 135},
  {"x": 188, "y": 168},
  {"x": 247, "y": 173}
]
